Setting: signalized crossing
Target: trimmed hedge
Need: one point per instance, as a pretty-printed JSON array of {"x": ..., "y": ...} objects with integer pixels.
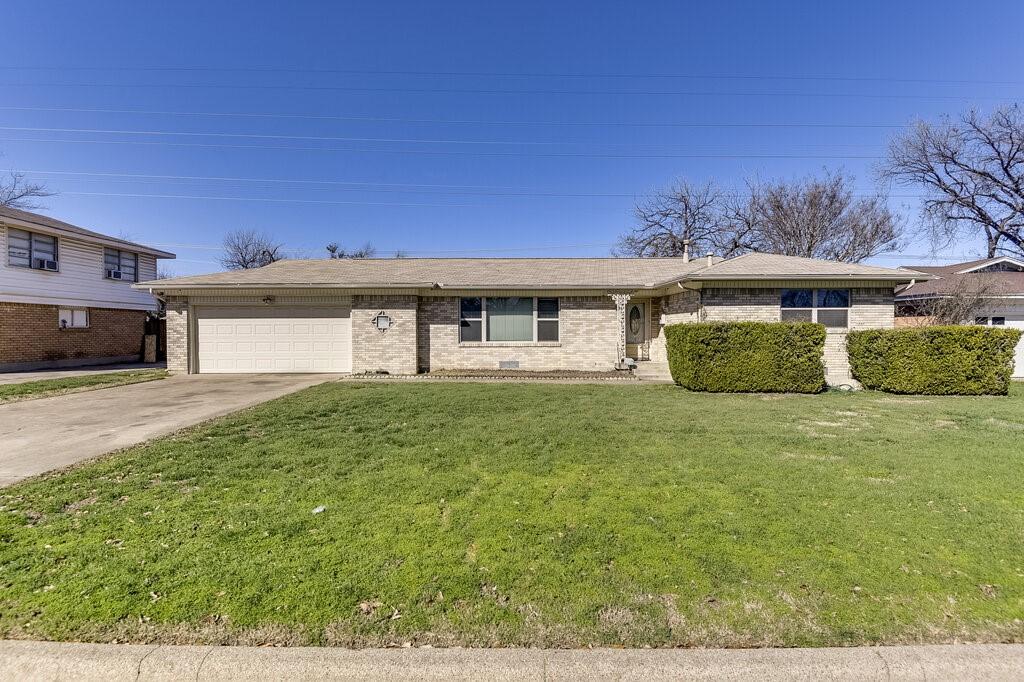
[
  {"x": 747, "y": 357},
  {"x": 937, "y": 360}
]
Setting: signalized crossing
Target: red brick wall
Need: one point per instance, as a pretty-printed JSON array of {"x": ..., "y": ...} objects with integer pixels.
[{"x": 31, "y": 333}]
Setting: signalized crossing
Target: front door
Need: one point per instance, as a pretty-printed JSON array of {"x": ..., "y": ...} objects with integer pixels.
[{"x": 636, "y": 329}]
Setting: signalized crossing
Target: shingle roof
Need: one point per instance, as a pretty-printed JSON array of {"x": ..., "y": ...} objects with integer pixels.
[
  {"x": 771, "y": 266},
  {"x": 53, "y": 223},
  {"x": 454, "y": 273},
  {"x": 527, "y": 273},
  {"x": 950, "y": 278}
]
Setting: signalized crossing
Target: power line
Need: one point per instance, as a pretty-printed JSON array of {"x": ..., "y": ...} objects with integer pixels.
[
  {"x": 400, "y": 188},
  {"x": 823, "y": 157},
  {"x": 385, "y": 140},
  {"x": 393, "y": 119},
  {"x": 322, "y": 138},
  {"x": 512, "y": 74},
  {"x": 500, "y": 91},
  {"x": 260, "y": 199}
]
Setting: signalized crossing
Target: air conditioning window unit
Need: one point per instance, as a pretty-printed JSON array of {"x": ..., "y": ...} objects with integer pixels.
[
  {"x": 43, "y": 264},
  {"x": 114, "y": 274}
]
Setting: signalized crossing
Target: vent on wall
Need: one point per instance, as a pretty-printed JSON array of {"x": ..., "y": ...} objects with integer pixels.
[{"x": 508, "y": 364}]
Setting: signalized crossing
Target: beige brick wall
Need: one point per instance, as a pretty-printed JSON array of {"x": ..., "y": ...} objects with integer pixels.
[
  {"x": 393, "y": 351},
  {"x": 587, "y": 332},
  {"x": 740, "y": 305},
  {"x": 177, "y": 336},
  {"x": 676, "y": 308},
  {"x": 870, "y": 308}
]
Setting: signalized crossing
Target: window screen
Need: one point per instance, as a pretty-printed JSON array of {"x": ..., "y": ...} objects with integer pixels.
[
  {"x": 547, "y": 319},
  {"x": 470, "y": 319},
  {"x": 24, "y": 247}
]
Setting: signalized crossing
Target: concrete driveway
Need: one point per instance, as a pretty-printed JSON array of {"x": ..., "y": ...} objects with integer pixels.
[
  {"x": 43, "y": 374},
  {"x": 37, "y": 436}
]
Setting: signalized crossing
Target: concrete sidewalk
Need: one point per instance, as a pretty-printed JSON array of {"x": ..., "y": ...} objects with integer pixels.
[{"x": 110, "y": 662}]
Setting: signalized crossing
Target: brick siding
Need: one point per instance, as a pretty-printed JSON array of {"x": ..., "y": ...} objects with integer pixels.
[
  {"x": 393, "y": 351},
  {"x": 587, "y": 332},
  {"x": 177, "y": 336},
  {"x": 31, "y": 333}
]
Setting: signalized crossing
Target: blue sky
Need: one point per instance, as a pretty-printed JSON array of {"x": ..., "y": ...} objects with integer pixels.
[{"x": 461, "y": 128}]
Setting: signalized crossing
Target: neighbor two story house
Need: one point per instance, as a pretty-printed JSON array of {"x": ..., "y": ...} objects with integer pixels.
[
  {"x": 66, "y": 295},
  {"x": 403, "y": 316}
]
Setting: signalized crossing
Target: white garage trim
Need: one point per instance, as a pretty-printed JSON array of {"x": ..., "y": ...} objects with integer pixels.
[{"x": 235, "y": 339}]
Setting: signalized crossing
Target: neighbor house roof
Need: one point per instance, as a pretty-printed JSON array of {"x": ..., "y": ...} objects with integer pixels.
[
  {"x": 972, "y": 274},
  {"x": 524, "y": 273},
  {"x": 24, "y": 219},
  {"x": 770, "y": 266}
]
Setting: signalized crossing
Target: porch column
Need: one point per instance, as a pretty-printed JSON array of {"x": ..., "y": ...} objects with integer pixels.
[{"x": 620, "y": 312}]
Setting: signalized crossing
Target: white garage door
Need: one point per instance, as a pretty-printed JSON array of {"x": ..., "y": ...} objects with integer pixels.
[
  {"x": 274, "y": 339},
  {"x": 1018, "y": 323}
]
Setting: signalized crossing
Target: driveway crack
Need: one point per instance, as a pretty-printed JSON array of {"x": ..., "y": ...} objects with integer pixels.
[
  {"x": 203, "y": 662},
  {"x": 885, "y": 664},
  {"x": 138, "y": 668}
]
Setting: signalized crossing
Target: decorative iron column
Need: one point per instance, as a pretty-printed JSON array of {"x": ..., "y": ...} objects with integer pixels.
[{"x": 620, "y": 312}]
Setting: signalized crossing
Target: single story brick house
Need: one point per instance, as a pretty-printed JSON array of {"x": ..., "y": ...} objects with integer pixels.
[
  {"x": 65, "y": 294},
  {"x": 404, "y": 316}
]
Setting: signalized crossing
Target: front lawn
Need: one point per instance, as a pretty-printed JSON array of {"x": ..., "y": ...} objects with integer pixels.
[
  {"x": 45, "y": 388},
  {"x": 549, "y": 515}
]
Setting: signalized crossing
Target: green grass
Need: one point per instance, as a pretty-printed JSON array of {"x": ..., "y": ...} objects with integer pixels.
[
  {"x": 45, "y": 388},
  {"x": 515, "y": 514}
]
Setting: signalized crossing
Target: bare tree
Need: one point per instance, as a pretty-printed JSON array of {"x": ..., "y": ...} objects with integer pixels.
[
  {"x": 812, "y": 217},
  {"x": 816, "y": 218},
  {"x": 246, "y": 249},
  {"x": 683, "y": 217},
  {"x": 365, "y": 251},
  {"x": 971, "y": 297},
  {"x": 973, "y": 172},
  {"x": 16, "y": 192}
]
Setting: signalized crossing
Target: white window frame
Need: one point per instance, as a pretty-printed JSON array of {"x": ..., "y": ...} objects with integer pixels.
[
  {"x": 31, "y": 252},
  {"x": 69, "y": 314},
  {"x": 120, "y": 259},
  {"x": 483, "y": 320},
  {"x": 814, "y": 303}
]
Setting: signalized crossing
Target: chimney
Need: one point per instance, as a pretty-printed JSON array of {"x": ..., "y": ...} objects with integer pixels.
[
  {"x": 686, "y": 250},
  {"x": 711, "y": 259}
]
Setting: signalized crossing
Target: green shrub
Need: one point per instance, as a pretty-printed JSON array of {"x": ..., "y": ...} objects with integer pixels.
[
  {"x": 747, "y": 357},
  {"x": 934, "y": 360}
]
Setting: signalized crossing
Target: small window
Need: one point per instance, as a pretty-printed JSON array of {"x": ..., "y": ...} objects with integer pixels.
[
  {"x": 471, "y": 320},
  {"x": 981, "y": 320},
  {"x": 797, "y": 315},
  {"x": 547, "y": 319},
  {"x": 73, "y": 318},
  {"x": 829, "y": 307},
  {"x": 31, "y": 250},
  {"x": 120, "y": 265},
  {"x": 998, "y": 321},
  {"x": 797, "y": 298}
]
